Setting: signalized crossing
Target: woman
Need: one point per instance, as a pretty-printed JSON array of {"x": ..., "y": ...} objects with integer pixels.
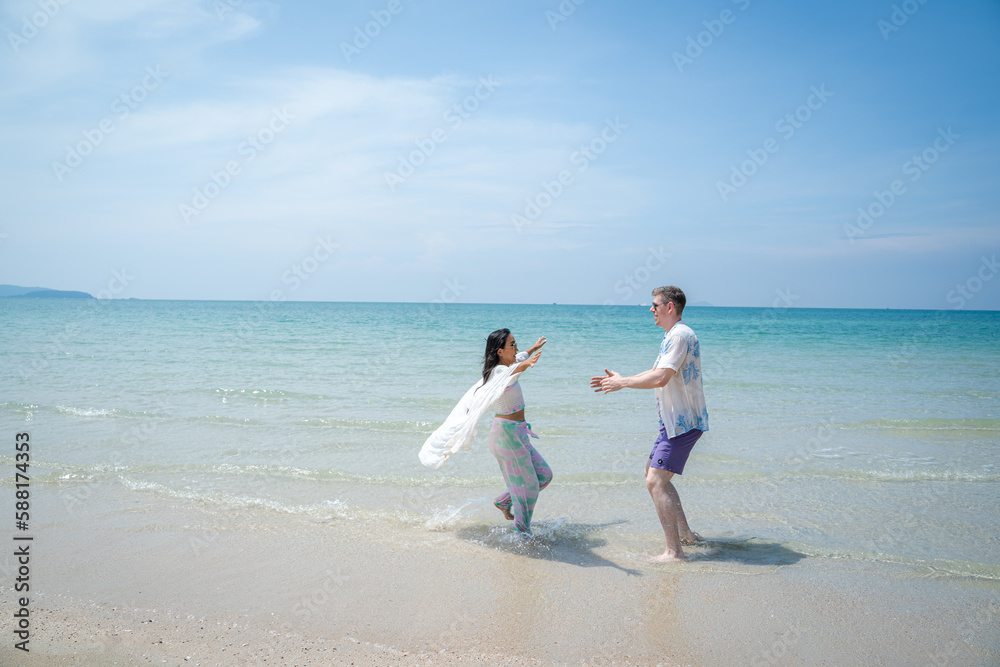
[{"x": 524, "y": 470}]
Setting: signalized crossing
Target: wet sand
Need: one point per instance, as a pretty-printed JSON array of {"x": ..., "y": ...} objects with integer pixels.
[{"x": 146, "y": 580}]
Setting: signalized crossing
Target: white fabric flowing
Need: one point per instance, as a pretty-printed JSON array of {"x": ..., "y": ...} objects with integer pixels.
[{"x": 458, "y": 430}]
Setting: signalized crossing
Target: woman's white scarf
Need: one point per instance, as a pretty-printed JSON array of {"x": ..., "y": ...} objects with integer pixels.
[{"x": 459, "y": 429}]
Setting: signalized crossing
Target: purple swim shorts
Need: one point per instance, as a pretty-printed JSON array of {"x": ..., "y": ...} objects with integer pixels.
[{"x": 671, "y": 454}]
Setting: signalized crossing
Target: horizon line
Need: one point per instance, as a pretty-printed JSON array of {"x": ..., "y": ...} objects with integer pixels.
[{"x": 453, "y": 303}]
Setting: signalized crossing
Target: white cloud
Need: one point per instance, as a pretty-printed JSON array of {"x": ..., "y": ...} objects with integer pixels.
[{"x": 84, "y": 39}]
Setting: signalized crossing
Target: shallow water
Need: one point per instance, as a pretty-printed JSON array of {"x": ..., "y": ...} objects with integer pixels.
[{"x": 861, "y": 435}]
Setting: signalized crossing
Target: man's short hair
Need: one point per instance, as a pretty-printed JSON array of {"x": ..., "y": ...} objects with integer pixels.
[{"x": 671, "y": 293}]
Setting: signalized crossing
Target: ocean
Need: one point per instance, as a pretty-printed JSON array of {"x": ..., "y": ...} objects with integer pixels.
[{"x": 866, "y": 436}]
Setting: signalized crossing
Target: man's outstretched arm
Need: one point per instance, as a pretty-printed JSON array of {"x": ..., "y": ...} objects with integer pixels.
[{"x": 651, "y": 379}]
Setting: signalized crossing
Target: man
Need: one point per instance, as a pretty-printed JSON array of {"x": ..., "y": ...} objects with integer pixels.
[{"x": 680, "y": 401}]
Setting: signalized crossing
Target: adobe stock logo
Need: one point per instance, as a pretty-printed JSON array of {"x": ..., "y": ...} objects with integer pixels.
[
  {"x": 427, "y": 146},
  {"x": 566, "y": 9},
  {"x": 915, "y": 168},
  {"x": 581, "y": 159},
  {"x": 631, "y": 283},
  {"x": 899, "y": 17},
  {"x": 30, "y": 28},
  {"x": 219, "y": 180},
  {"x": 363, "y": 38},
  {"x": 966, "y": 291},
  {"x": 714, "y": 27},
  {"x": 787, "y": 126},
  {"x": 123, "y": 105}
]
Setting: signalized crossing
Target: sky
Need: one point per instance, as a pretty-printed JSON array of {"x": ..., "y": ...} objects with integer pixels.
[{"x": 780, "y": 153}]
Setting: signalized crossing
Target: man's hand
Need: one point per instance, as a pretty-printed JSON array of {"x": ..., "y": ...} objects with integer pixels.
[{"x": 607, "y": 383}]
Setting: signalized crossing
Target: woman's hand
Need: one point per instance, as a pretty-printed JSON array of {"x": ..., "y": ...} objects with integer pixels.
[
  {"x": 537, "y": 346},
  {"x": 528, "y": 363}
]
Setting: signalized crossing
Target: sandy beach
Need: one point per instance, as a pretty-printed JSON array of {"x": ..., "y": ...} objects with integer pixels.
[{"x": 195, "y": 586}]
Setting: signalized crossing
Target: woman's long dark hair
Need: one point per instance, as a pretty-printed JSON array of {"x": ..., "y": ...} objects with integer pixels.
[{"x": 494, "y": 343}]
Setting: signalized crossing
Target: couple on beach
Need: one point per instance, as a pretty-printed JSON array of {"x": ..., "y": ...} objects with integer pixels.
[{"x": 680, "y": 402}]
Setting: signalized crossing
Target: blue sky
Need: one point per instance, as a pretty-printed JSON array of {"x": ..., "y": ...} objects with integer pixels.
[{"x": 525, "y": 152}]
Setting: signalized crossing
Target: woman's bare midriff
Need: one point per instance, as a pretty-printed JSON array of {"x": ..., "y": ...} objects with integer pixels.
[{"x": 516, "y": 417}]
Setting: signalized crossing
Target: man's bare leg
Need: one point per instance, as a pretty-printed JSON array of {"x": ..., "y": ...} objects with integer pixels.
[
  {"x": 687, "y": 535},
  {"x": 668, "y": 509}
]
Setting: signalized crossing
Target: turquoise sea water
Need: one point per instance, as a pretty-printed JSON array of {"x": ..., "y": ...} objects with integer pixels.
[{"x": 858, "y": 434}]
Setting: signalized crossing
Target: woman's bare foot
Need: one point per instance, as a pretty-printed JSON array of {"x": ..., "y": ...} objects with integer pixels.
[
  {"x": 506, "y": 512},
  {"x": 693, "y": 538},
  {"x": 668, "y": 557}
]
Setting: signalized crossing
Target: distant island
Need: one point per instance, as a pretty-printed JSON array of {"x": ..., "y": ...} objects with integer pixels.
[{"x": 18, "y": 292}]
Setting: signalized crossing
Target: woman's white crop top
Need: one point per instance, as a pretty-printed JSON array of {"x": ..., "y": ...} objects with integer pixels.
[{"x": 512, "y": 399}]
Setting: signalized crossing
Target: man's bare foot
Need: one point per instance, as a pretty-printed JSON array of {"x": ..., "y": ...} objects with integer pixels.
[
  {"x": 667, "y": 557},
  {"x": 693, "y": 538},
  {"x": 506, "y": 512}
]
